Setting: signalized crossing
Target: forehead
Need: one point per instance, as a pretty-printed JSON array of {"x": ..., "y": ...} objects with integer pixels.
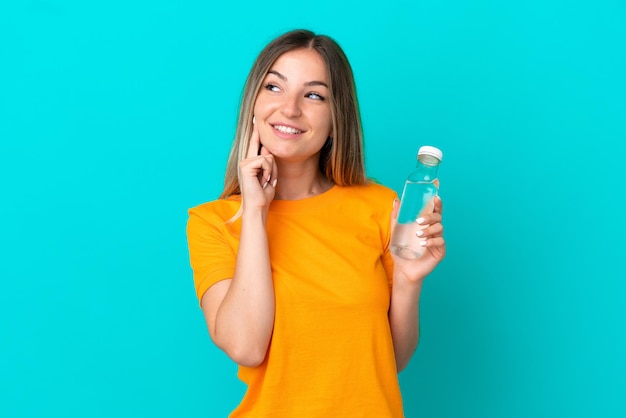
[{"x": 301, "y": 64}]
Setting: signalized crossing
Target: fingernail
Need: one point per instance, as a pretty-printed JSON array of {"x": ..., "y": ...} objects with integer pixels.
[
  {"x": 393, "y": 204},
  {"x": 423, "y": 243},
  {"x": 265, "y": 184},
  {"x": 419, "y": 233},
  {"x": 253, "y": 120},
  {"x": 420, "y": 220},
  {"x": 274, "y": 182}
]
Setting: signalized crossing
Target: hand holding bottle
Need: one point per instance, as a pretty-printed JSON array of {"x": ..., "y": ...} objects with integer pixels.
[
  {"x": 432, "y": 243},
  {"x": 420, "y": 189}
]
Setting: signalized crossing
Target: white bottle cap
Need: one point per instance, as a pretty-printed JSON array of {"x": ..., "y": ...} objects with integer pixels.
[{"x": 432, "y": 151}]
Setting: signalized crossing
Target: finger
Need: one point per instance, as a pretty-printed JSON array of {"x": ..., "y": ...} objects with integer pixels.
[
  {"x": 438, "y": 207},
  {"x": 394, "y": 213},
  {"x": 274, "y": 174},
  {"x": 430, "y": 231},
  {"x": 396, "y": 208},
  {"x": 434, "y": 242},
  {"x": 259, "y": 167},
  {"x": 255, "y": 143},
  {"x": 429, "y": 218},
  {"x": 264, "y": 151},
  {"x": 267, "y": 167},
  {"x": 267, "y": 175}
]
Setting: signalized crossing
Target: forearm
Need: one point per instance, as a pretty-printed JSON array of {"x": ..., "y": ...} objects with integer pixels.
[
  {"x": 404, "y": 319},
  {"x": 245, "y": 318}
]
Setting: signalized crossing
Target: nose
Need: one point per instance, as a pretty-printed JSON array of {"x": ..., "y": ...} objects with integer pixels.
[{"x": 291, "y": 106}]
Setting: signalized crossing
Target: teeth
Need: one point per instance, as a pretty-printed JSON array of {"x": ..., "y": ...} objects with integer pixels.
[{"x": 287, "y": 129}]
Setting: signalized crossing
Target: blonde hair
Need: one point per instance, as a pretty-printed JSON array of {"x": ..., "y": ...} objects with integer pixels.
[{"x": 341, "y": 158}]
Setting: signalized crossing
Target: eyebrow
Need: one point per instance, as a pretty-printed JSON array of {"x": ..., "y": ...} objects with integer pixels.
[{"x": 308, "y": 83}]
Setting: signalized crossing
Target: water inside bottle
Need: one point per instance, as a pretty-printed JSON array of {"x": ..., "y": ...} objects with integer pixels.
[{"x": 417, "y": 200}]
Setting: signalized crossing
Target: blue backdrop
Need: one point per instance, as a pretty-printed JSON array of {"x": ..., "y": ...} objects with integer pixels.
[{"x": 116, "y": 116}]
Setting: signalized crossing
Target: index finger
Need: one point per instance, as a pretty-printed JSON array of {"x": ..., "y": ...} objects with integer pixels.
[{"x": 254, "y": 144}]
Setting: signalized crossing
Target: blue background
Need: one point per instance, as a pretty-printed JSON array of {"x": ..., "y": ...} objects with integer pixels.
[{"x": 117, "y": 116}]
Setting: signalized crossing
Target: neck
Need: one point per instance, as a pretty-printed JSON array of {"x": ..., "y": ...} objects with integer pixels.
[{"x": 297, "y": 182}]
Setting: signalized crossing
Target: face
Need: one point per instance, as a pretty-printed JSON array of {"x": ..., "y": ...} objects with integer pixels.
[{"x": 292, "y": 110}]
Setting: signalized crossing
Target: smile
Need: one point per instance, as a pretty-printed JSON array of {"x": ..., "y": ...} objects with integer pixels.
[{"x": 287, "y": 129}]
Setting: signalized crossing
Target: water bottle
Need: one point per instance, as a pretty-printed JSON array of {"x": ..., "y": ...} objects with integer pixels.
[{"x": 416, "y": 201}]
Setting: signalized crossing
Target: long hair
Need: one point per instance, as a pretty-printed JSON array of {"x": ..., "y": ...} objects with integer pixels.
[{"x": 341, "y": 157}]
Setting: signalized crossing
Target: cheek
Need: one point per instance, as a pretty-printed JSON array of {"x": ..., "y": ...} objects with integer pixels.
[
  {"x": 329, "y": 123},
  {"x": 262, "y": 106},
  {"x": 257, "y": 109}
]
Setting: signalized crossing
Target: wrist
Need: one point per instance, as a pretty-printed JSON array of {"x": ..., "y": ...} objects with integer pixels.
[
  {"x": 254, "y": 215},
  {"x": 408, "y": 284}
]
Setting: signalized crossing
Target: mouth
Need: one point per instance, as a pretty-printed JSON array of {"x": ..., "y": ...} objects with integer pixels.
[{"x": 287, "y": 129}]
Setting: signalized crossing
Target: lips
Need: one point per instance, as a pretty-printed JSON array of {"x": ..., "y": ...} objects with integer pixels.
[{"x": 287, "y": 129}]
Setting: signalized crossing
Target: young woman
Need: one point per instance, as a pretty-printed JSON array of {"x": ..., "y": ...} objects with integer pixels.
[{"x": 292, "y": 263}]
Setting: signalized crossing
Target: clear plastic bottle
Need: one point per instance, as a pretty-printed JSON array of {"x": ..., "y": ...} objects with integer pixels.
[{"x": 417, "y": 200}]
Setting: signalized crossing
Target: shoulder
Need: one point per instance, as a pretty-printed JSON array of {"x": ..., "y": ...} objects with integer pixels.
[
  {"x": 379, "y": 189},
  {"x": 217, "y": 210},
  {"x": 371, "y": 199},
  {"x": 372, "y": 191}
]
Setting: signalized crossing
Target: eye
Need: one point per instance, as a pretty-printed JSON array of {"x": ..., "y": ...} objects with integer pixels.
[
  {"x": 271, "y": 87},
  {"x": 315, "y": 96}
]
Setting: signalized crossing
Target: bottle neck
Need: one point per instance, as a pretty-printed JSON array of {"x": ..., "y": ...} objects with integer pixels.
[
  {"x": 428, "y": 160},
  {"x": 426, "y": 168}
]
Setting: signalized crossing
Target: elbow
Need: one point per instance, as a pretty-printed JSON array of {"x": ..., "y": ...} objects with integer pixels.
[
  {"x": 401, "y": 365},
  {"x": 246, "y": 347},
  {"x": 244, "y": 352},
  {"x": 404, "y": 357},
  {"x": 245, "y": 355}
]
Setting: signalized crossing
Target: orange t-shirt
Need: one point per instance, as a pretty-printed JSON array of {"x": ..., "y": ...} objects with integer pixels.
[{"x": 331, "y": 353}]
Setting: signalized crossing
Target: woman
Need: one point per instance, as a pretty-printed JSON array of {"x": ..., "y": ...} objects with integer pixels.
[{"x": 291, "y": 264}]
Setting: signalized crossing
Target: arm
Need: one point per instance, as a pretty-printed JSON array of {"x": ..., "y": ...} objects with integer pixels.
[
  {"x": 240, "y": 311},
  {"x": 408, "y": 277},
  {"x": 404, "y": 319}
]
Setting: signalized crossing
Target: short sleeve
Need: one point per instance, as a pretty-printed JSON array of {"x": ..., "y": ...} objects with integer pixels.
[
  {"x": 211, "y": 251},
  {"x": 386, "y": 258},
  {"x": 388, "y": 265}
]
